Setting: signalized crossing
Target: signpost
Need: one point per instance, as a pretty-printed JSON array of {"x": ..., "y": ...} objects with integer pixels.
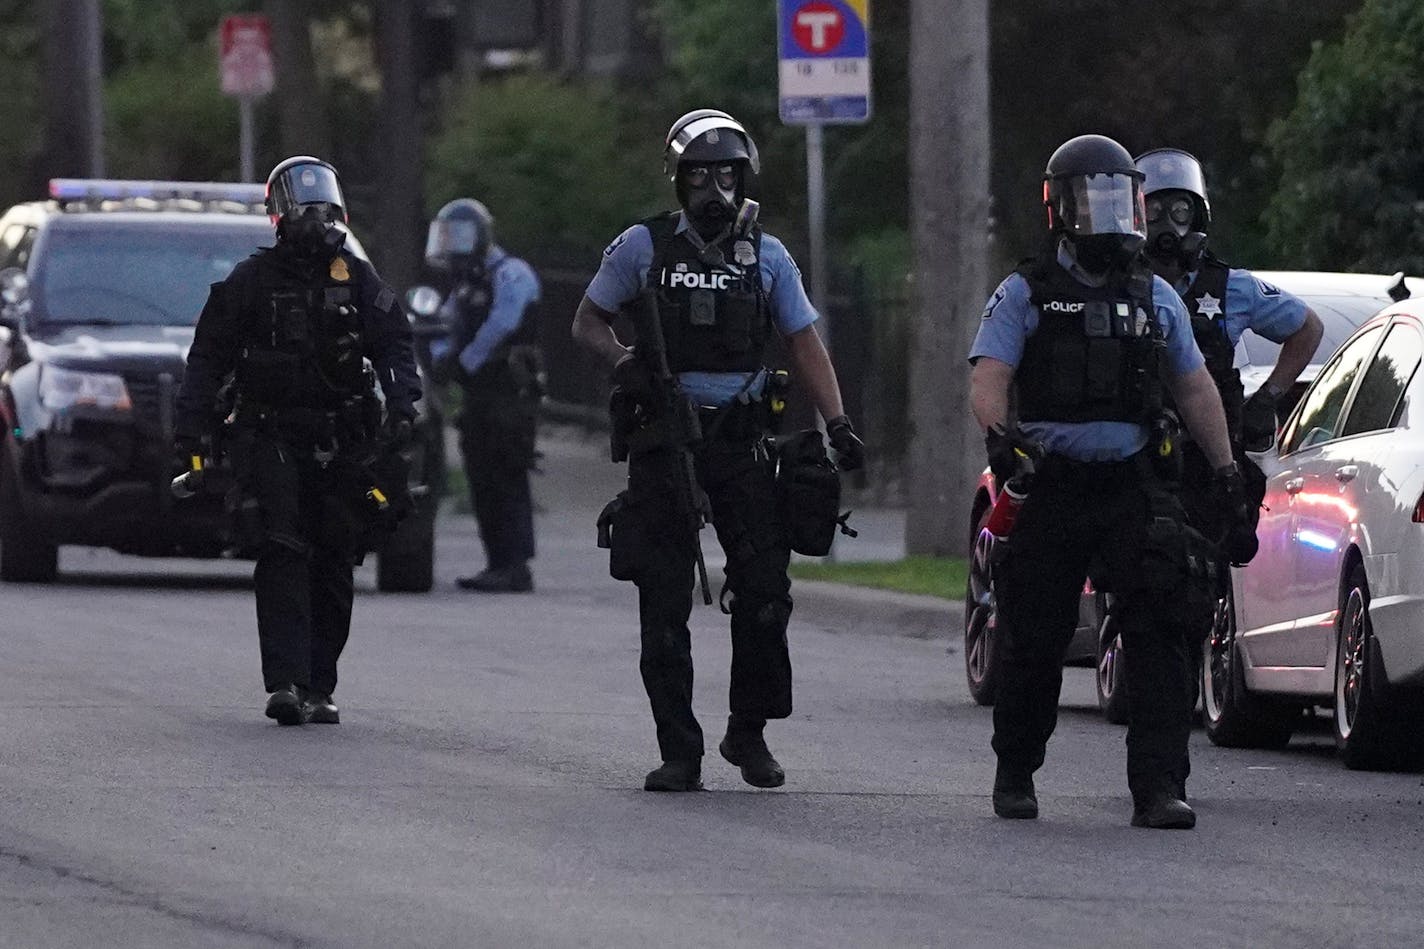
[
  {"x": 824, "y": 48},
  {"x": 247, "y": 73}
]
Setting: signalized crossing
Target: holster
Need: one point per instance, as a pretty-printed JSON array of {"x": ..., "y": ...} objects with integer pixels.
[{"x": 626, "y": 535}]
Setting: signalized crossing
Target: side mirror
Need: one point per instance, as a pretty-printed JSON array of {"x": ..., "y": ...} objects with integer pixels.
[
  {"x": 423, "y": 302},
  {"x": 14, "y": 296}
]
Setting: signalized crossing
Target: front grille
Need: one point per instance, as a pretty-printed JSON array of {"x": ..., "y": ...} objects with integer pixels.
[{"x": 149, "y": 394}]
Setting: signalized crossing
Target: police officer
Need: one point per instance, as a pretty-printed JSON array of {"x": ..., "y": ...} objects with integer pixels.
[
  {"x": 493, "y": 353},
  {"x": 1088, "y": 338},
  {"x": 291, "y": 325},
  {"x": 1223, "y": 303},
  {"x": 723, "y": 286}
]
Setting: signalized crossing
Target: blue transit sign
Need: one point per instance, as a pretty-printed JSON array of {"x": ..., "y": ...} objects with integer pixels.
[{"x": 825, "y": 61}]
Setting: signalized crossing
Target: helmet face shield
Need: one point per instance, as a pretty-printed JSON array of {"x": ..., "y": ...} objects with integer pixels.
[
  {"x": 304, "y": 184},
  {"x": 1103, "y": 204},
  {"x": 451, "y": 238}
]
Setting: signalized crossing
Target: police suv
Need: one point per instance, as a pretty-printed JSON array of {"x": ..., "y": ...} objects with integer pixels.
[{"x": 100, "y": 289}]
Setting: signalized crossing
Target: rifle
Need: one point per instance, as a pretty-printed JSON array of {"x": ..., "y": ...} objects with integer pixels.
[{"x": 673, "y": 424}]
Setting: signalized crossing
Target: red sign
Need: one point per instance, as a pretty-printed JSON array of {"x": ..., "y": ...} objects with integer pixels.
[
  {"x": 818, "y": 28},
  {"x": 246, "y": 57}
]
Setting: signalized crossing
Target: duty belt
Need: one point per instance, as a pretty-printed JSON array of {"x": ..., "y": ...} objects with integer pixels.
[{"x": 1065, "y": 470}]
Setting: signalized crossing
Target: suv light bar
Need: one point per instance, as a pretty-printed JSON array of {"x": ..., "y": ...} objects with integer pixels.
[{"x": 113, "y": 189}]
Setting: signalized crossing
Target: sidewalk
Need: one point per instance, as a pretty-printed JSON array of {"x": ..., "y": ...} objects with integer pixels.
[{"x": 578, "y": 479}]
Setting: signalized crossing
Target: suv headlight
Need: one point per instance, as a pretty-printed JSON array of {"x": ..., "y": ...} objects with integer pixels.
[{"x": 65, "y": 388}]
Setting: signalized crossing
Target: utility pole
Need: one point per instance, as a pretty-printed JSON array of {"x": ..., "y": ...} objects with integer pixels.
[
  {"x": 73, "y": 89},
  {"x": 949, "y": 226}
]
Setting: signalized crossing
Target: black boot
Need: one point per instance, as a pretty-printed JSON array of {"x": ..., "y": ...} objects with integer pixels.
[
  {"x": 675, "y": 776},
  {"x": 745, "y": 747},
  {"x": 515, "y": 578},
  {"x": 286, "y": 706},
  {"x": 1163, "y": 811},
  {"x": 1013, "y": 795}
]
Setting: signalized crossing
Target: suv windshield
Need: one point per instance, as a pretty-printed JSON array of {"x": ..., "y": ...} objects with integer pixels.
[{"x": 119, "y": 275}]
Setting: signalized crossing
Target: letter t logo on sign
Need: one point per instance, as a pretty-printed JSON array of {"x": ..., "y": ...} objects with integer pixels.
[{"x": 818, "y": 28}]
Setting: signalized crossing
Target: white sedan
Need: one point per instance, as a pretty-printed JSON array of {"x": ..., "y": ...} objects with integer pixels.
[{"x": 1331, "y": 611}]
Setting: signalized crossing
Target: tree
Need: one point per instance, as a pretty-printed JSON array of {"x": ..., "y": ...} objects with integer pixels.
[{"x": 1351, "y": 152}]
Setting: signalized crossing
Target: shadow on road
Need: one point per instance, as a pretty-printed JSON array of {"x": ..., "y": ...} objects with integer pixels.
[{"x": 154, "y": 581}]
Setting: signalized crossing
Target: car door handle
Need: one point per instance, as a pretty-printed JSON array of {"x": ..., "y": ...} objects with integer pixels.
[
  {"x": 1346, "y": 473},
  {"x": 1295, "y": 485}
]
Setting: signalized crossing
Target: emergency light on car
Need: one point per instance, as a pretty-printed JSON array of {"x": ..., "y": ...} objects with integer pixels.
[{"x": 113, "y": 189}]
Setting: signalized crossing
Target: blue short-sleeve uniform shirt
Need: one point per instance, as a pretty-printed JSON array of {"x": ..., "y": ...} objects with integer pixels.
[
  {"x": 1009, "y": 319},
  {"x": 1255, "y": 305},
  {"x": 623, "y": 274}
]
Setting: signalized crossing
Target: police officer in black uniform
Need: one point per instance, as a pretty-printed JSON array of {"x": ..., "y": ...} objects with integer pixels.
[
  {"x": 292, "y": 326},
  {"x": 493, "y": 352},
  {"x": 1089, "y": 339},
  {"x": 723, "y": 286}
]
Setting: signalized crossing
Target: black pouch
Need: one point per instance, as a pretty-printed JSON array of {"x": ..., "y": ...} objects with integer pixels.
[
  {"x": 269, "y": 376},
  {"x": 624, "y": 532},
  {"x": 808, "y": 491}
]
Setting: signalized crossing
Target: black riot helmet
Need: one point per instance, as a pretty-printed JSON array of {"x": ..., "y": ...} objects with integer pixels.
[
  {"x": 460, "y": 236},
  {"x": 710, "y": 156},
  {"x": 1178, "y": 213},
  {"x": 305, "y": 203},
  {"x": 1093, "y": 193}
]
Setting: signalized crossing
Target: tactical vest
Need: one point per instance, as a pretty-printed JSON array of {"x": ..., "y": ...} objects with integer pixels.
[
  {"x": 476, "y": 299},
  {"x": 714, "y": 311},
  {"x": 305, "y": 346},
  {"x": 1096, "y": 355},
  {"x": 1209, "y": 329}
]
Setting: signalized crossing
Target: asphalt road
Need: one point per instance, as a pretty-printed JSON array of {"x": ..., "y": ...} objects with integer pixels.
[{"x": 484, "y": 786}]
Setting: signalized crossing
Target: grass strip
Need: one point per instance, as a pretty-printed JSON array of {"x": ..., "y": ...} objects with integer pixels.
[{"x": 930, "y": 576}]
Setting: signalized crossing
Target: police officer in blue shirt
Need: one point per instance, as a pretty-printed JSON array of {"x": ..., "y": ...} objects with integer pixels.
[
  {"x": 723, "y": 287},
  {"x": 1223, "y": 302},
  {"x": 1087, "y": 338},
  {"x": 493, "y": 353}
]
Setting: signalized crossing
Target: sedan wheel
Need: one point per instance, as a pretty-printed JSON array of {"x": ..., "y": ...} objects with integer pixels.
[
  {"x": 1112, "y": 686},
  {"x": 1374, "y": 730},
  {"x": 981, "y": 666},
  {"x": 1234, "y": 718}
]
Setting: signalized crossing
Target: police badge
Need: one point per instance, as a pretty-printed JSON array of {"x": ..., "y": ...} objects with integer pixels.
[{"x": 743, "y": 253}]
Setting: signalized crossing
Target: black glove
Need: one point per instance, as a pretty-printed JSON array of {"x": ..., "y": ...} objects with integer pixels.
[
  {"x": 850, "y": 450},
  {"x": 1258, "y": 419},
  {"x": 1011, "y": 452},
  {"x": 1238, "y": 533},
  {"x": 400, "y": 430},
  {"x": 634, "y": 380}
]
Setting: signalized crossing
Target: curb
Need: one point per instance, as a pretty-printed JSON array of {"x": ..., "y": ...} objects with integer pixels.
[{"x": 843, "y": 608}]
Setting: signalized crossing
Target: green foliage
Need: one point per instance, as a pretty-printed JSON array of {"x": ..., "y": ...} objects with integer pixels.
[
  {"x": 550, "y": 159},
  {"x": 19, "y": 105},
  {"x": 168, "y": 119},
  {"x": 1351, "y": 152},
  {"x": 929, "y": 576}
]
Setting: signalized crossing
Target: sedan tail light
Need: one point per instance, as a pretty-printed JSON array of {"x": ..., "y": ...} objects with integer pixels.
[{"x": 1418, "y": 515}]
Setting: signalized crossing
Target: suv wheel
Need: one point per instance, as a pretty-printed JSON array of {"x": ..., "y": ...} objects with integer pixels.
[
  {"x": 981, "y": 647},
  {"x": 1110, "y": 680},
  {"x": 25, "y": 555},
  {"x": 406, "y": 563},
  {"x": 1372, "y": 729},
  {"x": 1233, "y": 717}
]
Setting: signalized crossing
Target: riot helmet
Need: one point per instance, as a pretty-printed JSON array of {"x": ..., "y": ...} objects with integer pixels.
[
  {"x": 709, "y": 156},
  {"x": 1178, "y": 213},
  {"x": 305, "y": 203},
  {"x": 459, "y": 237},
  {"x": 1093, "y": 193}
]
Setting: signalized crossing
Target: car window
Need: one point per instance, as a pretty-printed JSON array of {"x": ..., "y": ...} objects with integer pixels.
[
  {"x": 15, "y": 245},
  {"x": 131, "y": 275},
  {"x": 1339, "y": 317},
  {"x": 1320, "y": 409},
  {"x": 1377, "y": 399}
]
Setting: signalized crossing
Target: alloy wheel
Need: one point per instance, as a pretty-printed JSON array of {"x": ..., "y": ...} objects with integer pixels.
[
  {"x": 1220, "y": 654},
  {"x": 1349, "y": 677},
  {"x": 981, "y": 619}
]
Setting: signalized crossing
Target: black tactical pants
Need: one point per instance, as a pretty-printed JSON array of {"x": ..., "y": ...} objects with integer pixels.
[
  {"x": 307, "y": 540},
  {"x": 1115, "y": 523},
  {"x": 497, "y": 432},
  {"x": 740, "y": 485}
]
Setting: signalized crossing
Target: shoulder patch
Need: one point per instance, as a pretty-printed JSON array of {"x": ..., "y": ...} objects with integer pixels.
[
  {"x": 1268, "y": 290},
  {"x": 385, "y": 299},
  {"x": 994, "y": 301},
  {"x": 617, "y": 243}
]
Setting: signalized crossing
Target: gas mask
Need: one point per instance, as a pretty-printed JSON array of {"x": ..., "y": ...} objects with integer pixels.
[
  {"x": 1170, "y": 238},
  {"x": 1101, "y": 253},
  {"x": 708, "y": 192},
  {"x": 311, "y": 231}
]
